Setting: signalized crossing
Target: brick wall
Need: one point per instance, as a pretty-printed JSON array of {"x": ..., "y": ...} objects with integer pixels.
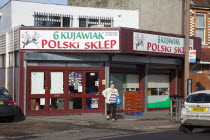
[{"x": 193, "y": 25}]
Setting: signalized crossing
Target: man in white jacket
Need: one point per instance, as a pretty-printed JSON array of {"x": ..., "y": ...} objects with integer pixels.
[{"x": 110, "y": 95}]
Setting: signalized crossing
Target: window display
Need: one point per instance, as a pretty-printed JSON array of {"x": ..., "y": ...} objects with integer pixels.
[
  {"x": 92, "y": 82},
  {"x": 75, "y": 82}
]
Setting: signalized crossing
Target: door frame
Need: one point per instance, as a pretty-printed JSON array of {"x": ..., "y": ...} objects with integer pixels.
[{"x": 66, "y": 95}]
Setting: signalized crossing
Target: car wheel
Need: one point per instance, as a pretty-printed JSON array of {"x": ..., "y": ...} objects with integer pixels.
[
  {"x": 11, "y": 118},
  {"x": 185, "y": 129}
]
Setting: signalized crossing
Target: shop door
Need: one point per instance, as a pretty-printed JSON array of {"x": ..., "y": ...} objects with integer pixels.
[
  {"x": 65, "y": 91},
  {"x": 85, "y": 91}
]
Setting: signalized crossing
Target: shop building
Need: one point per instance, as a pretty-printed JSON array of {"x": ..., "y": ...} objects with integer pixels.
[
  {"x": 64, "y": 70},
  {"x": 17, "y": 13}
]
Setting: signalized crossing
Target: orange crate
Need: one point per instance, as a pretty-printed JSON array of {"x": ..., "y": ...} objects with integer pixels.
[{"x": 129, "y": 112}]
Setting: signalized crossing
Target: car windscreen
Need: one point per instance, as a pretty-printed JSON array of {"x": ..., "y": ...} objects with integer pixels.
[
  {"x": 3, "y": 91},
  {"x": 198, "y": 98}
]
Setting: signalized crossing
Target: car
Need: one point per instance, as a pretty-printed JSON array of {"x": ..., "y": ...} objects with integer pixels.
[
  {"x": 7, "y": 105},
  {"x": 195, "y": 111}
]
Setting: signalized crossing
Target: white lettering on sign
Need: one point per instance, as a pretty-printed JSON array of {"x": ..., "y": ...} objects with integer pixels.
[
  {"x": 69, "y": 40},
  {"x": 158, "y": 43}
]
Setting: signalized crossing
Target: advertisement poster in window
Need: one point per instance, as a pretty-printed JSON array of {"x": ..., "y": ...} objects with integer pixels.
[
  {"x": 94, "y": 103},
  {"x": 75, "y": 81}
]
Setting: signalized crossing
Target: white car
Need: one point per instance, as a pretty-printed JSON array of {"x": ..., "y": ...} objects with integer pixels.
[{"x": 195, "y": 111}]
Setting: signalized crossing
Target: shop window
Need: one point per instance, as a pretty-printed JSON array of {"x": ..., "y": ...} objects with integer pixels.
[
  {"x": 125, "y": 82},
  {"x": 92, "y": 82},
  {"x": 52, "y": 20},
  {"x": 14, "y": 59},
  {"x": 92, "y": 103},
  {"x": 56, "y": 103},
  {"x": 75, "y": 82},
  {"x": 56, "y": 80},
  {"x": 153, "y": 91},
  {"x": 38, "y": 104},
  {"x": 158, "y": 85},
  {"x": 85, "y": 21},
  {"x": 163, "y": 91},
  {"x": 132, "y": 82},
  {"x": 10, "y": 59},
  {"x": 75, "y": 103},
  {"x": 201, "y": 26},
  {"x": 37, "y": 83},
  {"x": 17, "y": 59},
  {"x": 158, "y": 91},
  {"x": 1, "y": 61}
]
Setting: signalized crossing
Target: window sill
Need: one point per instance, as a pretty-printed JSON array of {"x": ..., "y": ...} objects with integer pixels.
[{"x": 204, "y": 44}]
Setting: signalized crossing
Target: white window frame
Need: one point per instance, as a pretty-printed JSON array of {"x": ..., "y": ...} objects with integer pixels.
[
  {"x": 204, "y": 40},
  {"x": 99, "y": 23}
]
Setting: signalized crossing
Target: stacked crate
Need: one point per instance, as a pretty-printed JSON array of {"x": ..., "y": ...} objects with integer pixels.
[{"x": 133, "y": 102}]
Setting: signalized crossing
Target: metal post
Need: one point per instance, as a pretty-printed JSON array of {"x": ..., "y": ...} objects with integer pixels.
[
  {"x": 187, "y": 34},
  {"x": 171, "y": 110},
  {"x": 25, "y": 74},
  {"x": 176, "y": 89},
  {"x": 13, "y": 65},
  {"x": 107, "y": 78},
  {"x": 145, "y": 88}
]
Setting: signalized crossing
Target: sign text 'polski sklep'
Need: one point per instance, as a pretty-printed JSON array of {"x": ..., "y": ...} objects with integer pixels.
[
  {"x": 159, "y": 43},
  {"x": 69, "y": 40}
]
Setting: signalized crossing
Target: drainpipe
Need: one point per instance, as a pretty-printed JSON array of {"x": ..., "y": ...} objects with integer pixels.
[
  {"x": 13, "y": 74},
  {"x": 6, "y": 61},
  {"x": 145, "y": 88},
  {"x": 186, "y": 51}
]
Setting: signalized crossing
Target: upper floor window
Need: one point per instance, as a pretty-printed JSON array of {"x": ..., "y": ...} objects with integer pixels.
[
  {"x": 85, "y": 21},
  {"x": 52, "y": 20},
  {"x": 200, "y": 26}
]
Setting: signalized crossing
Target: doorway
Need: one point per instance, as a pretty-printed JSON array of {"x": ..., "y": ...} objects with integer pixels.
[{"x": 57, "y": 91}]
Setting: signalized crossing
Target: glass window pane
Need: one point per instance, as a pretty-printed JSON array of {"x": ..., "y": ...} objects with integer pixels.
[
  {"x": 198, "y": 98},
  {"x": 163, "y": 91},
  {"x": 56, "y": 103},
  {"x": 37, "y": 83},
  {"x": 82, "y": 22},
  {"x": 10, "y": 59},
  {"x": 152, "y": 91},
  {"x": 200, "y": 33},
  {"x": 75, "y": 82},
  {"x": 38, "y": 104},
  {"x": 200, "y": 20},
  {"x": 92, "y": 82},
  {"x": 56, "y": 80},
  {"x": 92, "y": 103},
  {"x": 120, "y": 84},
  {"x": 1, "y": 61},
  {"x": 75, "y": 103},
  {"x": 158, "y": 81},
  {"x": 66, "y": 21},
  {"x": 16, "y": 59}
]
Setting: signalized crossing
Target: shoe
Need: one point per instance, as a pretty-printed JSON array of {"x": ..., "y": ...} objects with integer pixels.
[
  {"x": 107, "y": 118},
  {"x": 113, "y": 120}
]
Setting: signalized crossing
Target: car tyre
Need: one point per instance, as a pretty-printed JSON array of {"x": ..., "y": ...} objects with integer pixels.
[
  {"x": 11, "y": 119},
  {"x": 185, "y": 129}
]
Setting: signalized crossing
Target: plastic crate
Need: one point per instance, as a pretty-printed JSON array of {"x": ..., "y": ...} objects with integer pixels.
[{"x": 136, "y": 114}]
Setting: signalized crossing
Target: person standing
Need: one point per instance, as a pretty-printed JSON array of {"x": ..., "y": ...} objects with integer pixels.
[{"x": 110, "y": 95}]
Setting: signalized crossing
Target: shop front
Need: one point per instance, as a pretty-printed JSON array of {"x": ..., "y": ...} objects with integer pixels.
[{"x": 65, "y": 70}]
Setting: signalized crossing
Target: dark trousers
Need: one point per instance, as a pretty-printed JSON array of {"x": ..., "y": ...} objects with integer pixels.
[{"x": 112, "y": 107}]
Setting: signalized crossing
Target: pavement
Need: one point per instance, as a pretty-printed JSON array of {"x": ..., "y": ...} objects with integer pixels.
[
  {"x": 149, "y": 120},
  {"x": 92, "y": 126}
]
